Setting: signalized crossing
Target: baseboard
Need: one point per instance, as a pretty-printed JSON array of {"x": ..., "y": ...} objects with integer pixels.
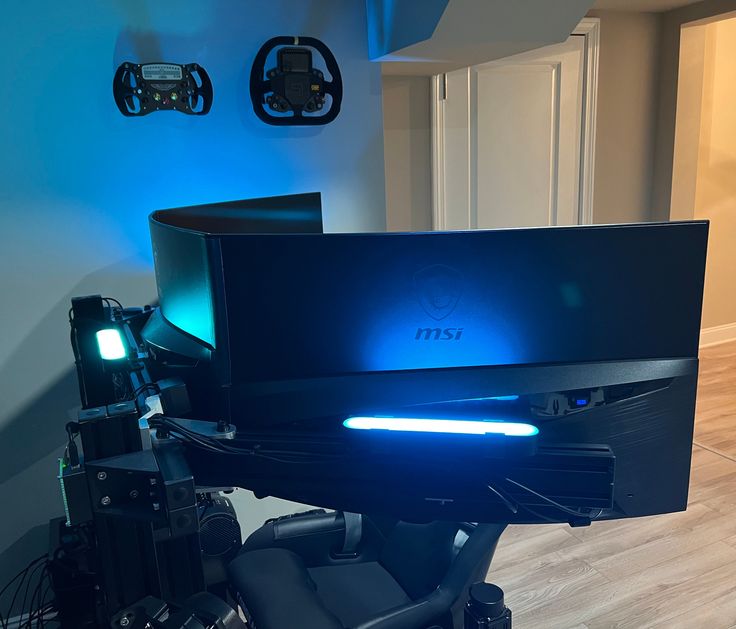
[{"x": 718, "y": 334}]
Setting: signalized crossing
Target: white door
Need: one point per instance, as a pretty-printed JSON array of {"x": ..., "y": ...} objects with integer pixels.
[{"x": 512, "y": 146}]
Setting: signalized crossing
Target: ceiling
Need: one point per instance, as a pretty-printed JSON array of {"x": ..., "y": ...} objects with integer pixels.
[
  {"x": 409, "y": 39},
  {"x": 641, "y": 5}
]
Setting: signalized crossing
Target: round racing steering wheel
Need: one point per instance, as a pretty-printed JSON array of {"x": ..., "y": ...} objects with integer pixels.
[{"x": 295, "y": 86}]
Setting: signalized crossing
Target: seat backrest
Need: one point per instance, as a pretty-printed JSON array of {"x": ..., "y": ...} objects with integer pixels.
[{"x": 418, "y": 556}]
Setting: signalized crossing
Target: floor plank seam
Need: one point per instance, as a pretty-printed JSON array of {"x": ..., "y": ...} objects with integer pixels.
[
  {"x": 598, "y": 572},
  {"x": 715, "y": 451}
]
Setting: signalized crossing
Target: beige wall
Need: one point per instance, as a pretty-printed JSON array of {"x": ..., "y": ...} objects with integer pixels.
[
  {"x": 407, "y": 153},
  {"x": 626, "y": 118},
  {"x": 687, "y": 130},
  {"x": 669, "y": 57},
  {"x": 715, "y": 190}
]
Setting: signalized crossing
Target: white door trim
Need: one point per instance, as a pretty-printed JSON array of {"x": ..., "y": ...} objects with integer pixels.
[
  {"x": 437, "y": 93},
  {"x": 588, "y": 28}
]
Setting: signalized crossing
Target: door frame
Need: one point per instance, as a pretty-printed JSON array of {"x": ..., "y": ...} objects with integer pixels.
[{"x": 589, "y": 28}]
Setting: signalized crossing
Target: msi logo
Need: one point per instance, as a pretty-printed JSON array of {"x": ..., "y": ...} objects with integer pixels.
[
  {"x": 438, "y": 289},
  {"x": 438, "y": 334}
]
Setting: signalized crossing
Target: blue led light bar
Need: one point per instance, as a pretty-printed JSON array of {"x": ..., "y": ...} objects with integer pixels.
[
  {"x": 450, "y": 426},
  {"x": 110, "y": 344}
]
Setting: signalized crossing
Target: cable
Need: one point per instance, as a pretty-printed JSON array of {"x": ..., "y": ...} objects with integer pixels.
[
  {"x": 563, "y": 508},
  {"x": 513, "y": 507},
  {"x": 44, "y": 578},
  {"x": 22, "y": 575},
  {"x": 40, "y": 610},
  {"x": 538, "y": 515},
  {"x": 37, "y": 594},
  {"x": 148, "y": 385},
  {"x": 72, "y": 453},
  {"x": 198, "y": 442},
  {"x": 28, "y": 586},
  {"x": 218, "y": 446},
  {"x": 113, "y": 300}
]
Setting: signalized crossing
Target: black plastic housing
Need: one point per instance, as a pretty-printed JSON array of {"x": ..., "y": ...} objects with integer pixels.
[{"x": 291, "y": 331}]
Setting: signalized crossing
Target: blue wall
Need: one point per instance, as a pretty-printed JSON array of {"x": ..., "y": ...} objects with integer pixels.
[{"x": 77, "y": 181}]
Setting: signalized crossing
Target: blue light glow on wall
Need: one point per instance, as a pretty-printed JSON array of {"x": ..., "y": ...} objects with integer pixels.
[
  {"x": 447, "y": 426},
  {"x": 78, "y": 180},
  {"x": 396, "y": 24},
  {"x": 98, "y": 174}
]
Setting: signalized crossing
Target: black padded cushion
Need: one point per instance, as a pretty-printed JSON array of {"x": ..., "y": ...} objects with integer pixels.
[
  {"x": 358, "y": 591},
  {"x": 277, "y": 590},
  {"x": 419, "y": 555}
]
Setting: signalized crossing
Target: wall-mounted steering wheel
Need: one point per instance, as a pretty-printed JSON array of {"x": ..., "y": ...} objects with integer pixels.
[
  {"x": 295, "y": 86},
  {"x": 140, "y": 89}
]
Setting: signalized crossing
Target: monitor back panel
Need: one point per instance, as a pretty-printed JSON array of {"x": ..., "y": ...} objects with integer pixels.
[{"x": 309, "y": 306}]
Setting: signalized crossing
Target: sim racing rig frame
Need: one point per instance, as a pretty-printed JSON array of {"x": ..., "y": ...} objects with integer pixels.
[{"x": 250, "y": 393}]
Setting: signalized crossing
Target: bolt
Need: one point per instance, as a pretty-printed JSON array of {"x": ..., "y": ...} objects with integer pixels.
[
  {"x": 105, "y": 502},
  {"x": 133, "y": 494},
  {"x": 101, "y": 475},
  {"x": 124, "y": 621},
  {"x": 156, "y": 506}
]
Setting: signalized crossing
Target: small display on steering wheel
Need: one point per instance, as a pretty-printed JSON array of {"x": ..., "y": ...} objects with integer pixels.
[{"x": 295, "y": 92}]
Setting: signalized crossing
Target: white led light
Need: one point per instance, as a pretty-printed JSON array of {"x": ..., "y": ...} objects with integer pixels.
[
  {"x": 110, "y": 344},
  {"x": 451, "y": 426}
]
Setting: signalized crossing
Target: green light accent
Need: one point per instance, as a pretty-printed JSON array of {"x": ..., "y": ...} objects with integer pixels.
[
  {"x": 110, "y": 344},
  {"x": 62, "y": 465}
]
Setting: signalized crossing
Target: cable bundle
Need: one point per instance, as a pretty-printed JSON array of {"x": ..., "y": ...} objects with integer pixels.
[
  {"x": 38, "y": 607},
  {"x": 167, "y": 425}
]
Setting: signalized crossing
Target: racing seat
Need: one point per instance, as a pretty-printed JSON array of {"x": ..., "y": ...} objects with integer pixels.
[{"x": 321, "y": 570}]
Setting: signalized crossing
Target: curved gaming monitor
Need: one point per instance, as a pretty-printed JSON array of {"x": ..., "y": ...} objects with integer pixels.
[{"x": 519, "y": 375}]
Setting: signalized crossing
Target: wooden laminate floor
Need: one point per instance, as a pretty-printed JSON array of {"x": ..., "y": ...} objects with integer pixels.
[{"x": 676, "y": 571}]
